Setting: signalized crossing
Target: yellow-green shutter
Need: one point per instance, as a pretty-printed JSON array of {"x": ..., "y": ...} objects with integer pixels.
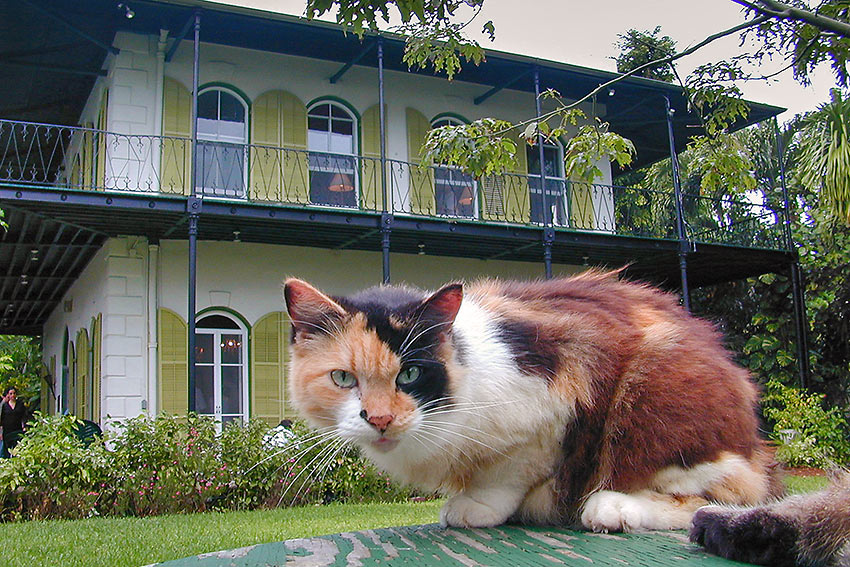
[
  {"x": 506, "y": 197},
  {"x": 296, "y": 173},
  {"x": 173, "y": 363},
  {"x": 176, "y": 158},
  {"x": 100, "y": 157},
  {"x": 266, "y": 155},
  {"x": 581, "y": 205},
  {"x": 87, "y": 158},
  {"x": 268, "y": 368},
  {"x": 81, "y": 405},
  {"x": 70, "y": 403},
  {"x": 422, "y": 201},
  {"x": 96, "y": 342},
  {"x": 370, "y": 178}
]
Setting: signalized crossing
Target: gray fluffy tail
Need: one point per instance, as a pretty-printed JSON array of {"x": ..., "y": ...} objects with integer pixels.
[{"x": 809, "y": 530}]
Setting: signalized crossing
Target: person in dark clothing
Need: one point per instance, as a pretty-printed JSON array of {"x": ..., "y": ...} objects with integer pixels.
[{"x": 12, "y": 415}]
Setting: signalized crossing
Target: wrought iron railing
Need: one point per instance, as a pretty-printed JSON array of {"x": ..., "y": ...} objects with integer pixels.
[{"x": 89, "y": 159}]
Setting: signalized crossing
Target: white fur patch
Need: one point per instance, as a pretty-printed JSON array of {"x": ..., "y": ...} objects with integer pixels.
[
  {"x": 699, "y": 479},
  {"x": 608, "y": 511}
]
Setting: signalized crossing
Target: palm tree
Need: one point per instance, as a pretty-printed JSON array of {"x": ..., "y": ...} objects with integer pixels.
[{"x": 823, "y": 163}]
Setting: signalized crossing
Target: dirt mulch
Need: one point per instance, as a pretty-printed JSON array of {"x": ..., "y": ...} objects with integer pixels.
[{"x": 804, "y": 471}]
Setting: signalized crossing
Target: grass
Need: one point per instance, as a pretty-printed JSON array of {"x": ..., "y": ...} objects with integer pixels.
[
  {"x": 798, "y": 484},
  {"x": 131, "y": 542}
]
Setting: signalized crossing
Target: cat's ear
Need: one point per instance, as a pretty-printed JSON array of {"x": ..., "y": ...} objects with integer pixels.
[
  {"x": 309, "y": 309},
  {"x": 443, "y": 305}
]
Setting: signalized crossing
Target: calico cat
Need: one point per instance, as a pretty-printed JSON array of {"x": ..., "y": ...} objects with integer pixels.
[{"x": 587, "y": 400}]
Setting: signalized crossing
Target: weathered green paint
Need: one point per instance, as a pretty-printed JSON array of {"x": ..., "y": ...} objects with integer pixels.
[{"x": 430, "y": 545}]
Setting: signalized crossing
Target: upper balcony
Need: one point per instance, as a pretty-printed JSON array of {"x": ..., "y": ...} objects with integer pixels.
[{"x": 84, "y": 159}]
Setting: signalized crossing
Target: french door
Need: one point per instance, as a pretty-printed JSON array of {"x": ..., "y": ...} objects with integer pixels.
[{"x": 220, "y": 388}]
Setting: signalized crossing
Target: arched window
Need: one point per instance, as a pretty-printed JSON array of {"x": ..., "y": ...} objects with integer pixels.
[
  {"x": 221, "y": 377},
  {"x": 333, "y": 167},
  {"x": 222, "y": 139},
  {"x": 455, "y": 191},
  {"x": 553, "y": 159}
]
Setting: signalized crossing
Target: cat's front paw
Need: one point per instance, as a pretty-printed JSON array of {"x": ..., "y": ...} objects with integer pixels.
[
  {"x": 464, "y": 512},
  {"x": 608, "y": 511}
]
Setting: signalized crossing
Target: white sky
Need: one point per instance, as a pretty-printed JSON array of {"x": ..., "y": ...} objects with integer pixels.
[{"x": 584, "y": 33}]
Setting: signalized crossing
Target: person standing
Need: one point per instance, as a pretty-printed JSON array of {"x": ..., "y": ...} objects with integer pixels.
[{"x": 12, "y": 415}]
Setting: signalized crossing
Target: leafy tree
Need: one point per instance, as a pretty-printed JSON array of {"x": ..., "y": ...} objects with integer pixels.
[
  {"x": 639, "y": 48},
  {"x": 824, "y": 157}
]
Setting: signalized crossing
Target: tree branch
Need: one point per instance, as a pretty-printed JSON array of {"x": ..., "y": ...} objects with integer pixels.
[
  {"x": 782, "y": 11},
  {"x": 662, "y": 61}
]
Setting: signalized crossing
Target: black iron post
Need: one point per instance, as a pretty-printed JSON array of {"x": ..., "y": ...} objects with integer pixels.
[
  {"x": 193, "y": 208},
  {"x": 548, "y": 233},
  {"x": 680, "y": 216},
  {"x": 797, "y": 290},
  {"x": 386, "y": 215}
]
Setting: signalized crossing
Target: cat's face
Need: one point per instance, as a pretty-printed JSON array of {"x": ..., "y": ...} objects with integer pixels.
[{"x": 374, "y": 365}]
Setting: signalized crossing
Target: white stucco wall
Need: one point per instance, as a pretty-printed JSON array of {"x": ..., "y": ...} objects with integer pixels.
[
  {"x": 247, "y": 277},
  {"x": 114, "y": 284}
]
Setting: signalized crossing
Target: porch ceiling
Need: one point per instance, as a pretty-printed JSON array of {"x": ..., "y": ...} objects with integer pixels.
[
  {"x": 48, "y": 63},
  {"x": 66, "y": 229}
]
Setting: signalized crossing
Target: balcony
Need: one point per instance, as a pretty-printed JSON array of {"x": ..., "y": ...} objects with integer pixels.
[{"x": 74, "y": 158}]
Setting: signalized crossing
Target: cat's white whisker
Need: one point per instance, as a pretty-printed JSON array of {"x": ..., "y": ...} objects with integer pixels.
[
  {"x": 463, "y": 436},
  {"x": 286, "y": 448},
  {"x": 336, "y": 442},
  {"x": 322, "y": 466},
  {"x": 427, "y": 329}
]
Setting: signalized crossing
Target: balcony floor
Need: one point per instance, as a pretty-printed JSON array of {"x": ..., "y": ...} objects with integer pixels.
[{"x": 68, "y": 227}]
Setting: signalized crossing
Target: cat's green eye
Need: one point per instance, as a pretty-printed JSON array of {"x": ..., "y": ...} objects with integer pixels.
[
  {"x": 343, "y": 379},
  {"x": 408, "y": 376}
]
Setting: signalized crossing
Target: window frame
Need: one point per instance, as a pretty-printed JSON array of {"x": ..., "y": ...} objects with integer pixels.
[
  {"x": 447, "y": 119},
  {"x": 342, "y": 187},
  {"x": 217, "y": 140}
]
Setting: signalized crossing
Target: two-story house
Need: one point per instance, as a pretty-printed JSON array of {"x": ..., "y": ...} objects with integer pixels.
[{"x": 165, "y": 164}]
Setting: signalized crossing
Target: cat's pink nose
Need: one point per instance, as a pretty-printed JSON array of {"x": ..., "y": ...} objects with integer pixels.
[{"x": 380, "y": 421}]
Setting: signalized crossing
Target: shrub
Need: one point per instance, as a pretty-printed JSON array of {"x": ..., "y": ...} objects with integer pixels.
[
  {"x": 53, "y": 474},
  {"x": 808, "y": 435},
  {"x": 170, "y": 464}
]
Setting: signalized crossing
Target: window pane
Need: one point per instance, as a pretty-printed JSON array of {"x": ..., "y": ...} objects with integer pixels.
[
  {"x": 231, "y": 109},
  {"x": 342, "y": 144},
  {"x": 318, "y": 141},
  {"x": 203, "y": 347},
  {"x": 204, "y": 397},
  {"x": 216, "y": 322},
  {"x": 231, "y": 389},
  {"x": 317, "y": 124},
  {"x": 321, "y": 110},
  {"x": 342, "y": 127},
  {"x": 231, "y": 349},
  {"x": 208, "y": 105},
  {"x": 338, "y": 112}
]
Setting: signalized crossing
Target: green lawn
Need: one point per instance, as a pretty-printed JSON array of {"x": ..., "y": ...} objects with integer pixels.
[{"x": 132, "y": 542}]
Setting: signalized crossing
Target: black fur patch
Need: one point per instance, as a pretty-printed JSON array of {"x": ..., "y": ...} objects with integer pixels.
[
  {"x": 533, "y": 352},
  {"x": 752, "y": 536},
  {"x": 390, "y": 312}
]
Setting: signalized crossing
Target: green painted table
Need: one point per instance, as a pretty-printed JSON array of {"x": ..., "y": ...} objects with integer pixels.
[{"x": 430, "y": 545}]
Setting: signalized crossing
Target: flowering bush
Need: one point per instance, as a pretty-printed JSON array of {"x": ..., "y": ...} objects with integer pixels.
[{"x": 170, "y": 464}]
